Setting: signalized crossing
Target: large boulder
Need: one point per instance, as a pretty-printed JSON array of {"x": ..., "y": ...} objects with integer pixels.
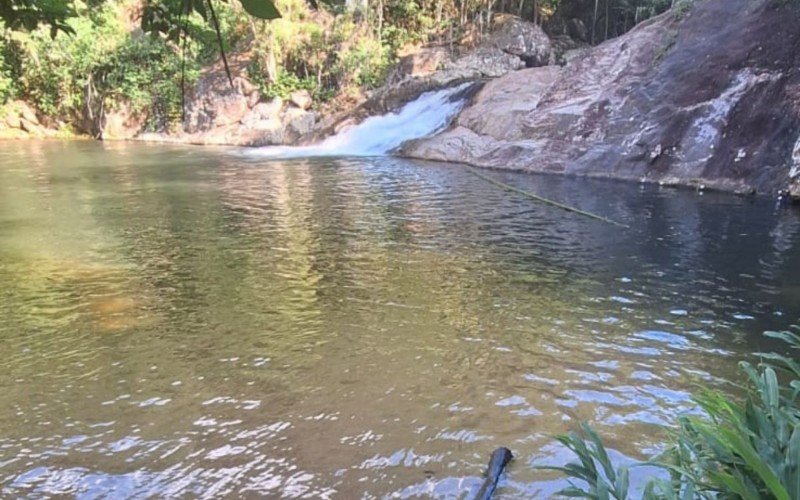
[
  {"x": 484, "y": 62},
  {"x": 511, "y": 44},
  {"x": 214, "y": 103},
  {"x": 299, "y": 122},
  {"x": 519, "y": 38},
  {"x": 708, "y": 98},
  {"x": 218, "y": 113},
  {"x": 13, "y": 120}
]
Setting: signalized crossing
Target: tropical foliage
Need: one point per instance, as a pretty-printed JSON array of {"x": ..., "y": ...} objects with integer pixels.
[
  {"x": 747, "y": 449},
  {"x": 71, "y": 58}
]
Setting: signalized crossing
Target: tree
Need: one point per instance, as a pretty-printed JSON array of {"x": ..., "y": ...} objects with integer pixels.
[
  {"x": 168, "y": 17},
  {"x": 29, "y": 14}
]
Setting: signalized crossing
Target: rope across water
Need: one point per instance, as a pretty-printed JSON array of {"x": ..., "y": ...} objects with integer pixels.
[{"x": 542, "y": 199}]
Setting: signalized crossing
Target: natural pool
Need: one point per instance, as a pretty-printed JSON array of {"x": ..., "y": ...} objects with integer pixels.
[{"x": 191, "y": 321}]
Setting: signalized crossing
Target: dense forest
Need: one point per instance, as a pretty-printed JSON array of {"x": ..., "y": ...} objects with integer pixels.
[{"x": 70, "y": 58}]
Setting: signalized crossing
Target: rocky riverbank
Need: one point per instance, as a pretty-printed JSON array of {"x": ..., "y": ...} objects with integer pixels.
[
  {"x": 705, "y": 96},
  {"x": 709, "y": 98}
]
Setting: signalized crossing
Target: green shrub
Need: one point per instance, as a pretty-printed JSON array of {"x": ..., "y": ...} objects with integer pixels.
[
  {"x": 747, "y": 449},
  {"x": 102, "y": 59},
  {"x": 366, "y": 62},
  {"x": 7, "y": 87},
  {"x": 681, "y": 7}
]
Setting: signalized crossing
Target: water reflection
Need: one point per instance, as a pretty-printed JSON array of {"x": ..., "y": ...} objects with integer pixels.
[{"x": 182, "y": 321}]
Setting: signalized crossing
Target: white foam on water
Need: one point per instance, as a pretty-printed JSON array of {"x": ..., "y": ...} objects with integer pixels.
[{"x": 379, "y": 135}]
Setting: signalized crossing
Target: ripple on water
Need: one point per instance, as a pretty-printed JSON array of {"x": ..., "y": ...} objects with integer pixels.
[{"x": 184, "y": 322}]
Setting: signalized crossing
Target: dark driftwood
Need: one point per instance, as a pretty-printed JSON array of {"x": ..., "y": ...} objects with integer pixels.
[{"x": 498, "y": 462}]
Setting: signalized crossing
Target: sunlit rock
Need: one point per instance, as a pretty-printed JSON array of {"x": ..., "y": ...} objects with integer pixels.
[
  {"x": 301, "y": 99},
  {"x": 675, "y": 100}
]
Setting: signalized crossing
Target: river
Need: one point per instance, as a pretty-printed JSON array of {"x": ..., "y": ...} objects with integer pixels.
[{"x": 180, "y": 321}]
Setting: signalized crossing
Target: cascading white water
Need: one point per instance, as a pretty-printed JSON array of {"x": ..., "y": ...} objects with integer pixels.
[{"x": 378, "y": 135}]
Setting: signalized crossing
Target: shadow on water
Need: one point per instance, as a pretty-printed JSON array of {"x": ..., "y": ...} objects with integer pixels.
[{"x": 181, "y": 321}]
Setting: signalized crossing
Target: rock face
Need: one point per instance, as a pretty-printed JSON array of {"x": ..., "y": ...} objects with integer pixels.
[
  {"x": 219, "y": 114},
  {"x": 20, "y": 122},
  {"x": 122, "y": 123},
  {"x": 794, "y": 171},
  {"x": 710, "y": 99},
  {"x": 512, "y": 44}
]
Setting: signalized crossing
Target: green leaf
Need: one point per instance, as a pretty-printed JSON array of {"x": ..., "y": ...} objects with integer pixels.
[
  {"x": 745, "y": 450},
  {"x": 791, "y": 338},
  {"x": 792, "y": 473},
  {"x": 574, "y": 492},
  {"x": 602, "y": 455},
  {"x": 262, "y": 9},
  {"x": 622, "y": 483}
]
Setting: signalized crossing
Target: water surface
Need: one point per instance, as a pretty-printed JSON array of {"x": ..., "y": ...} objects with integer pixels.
[{"x": 188, "y": 321}]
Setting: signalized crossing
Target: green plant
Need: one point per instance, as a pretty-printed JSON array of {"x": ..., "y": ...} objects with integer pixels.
[
  {"x": 145, "y": 73},
  {"x": 602, "y": 483},
  {"x": 746, "y": 449},
  {"x": 366, "y": 62},
  {"x": 681, "y": 7},
  {"x": 7, "y": 87},
  {"x": 29, "y": 14},
  {"x": 286, "y": 83},
  {"x": 100, "y": 66}
]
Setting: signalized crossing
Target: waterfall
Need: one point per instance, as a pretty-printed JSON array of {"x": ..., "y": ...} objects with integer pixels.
[{"x": 379, "y": 135}]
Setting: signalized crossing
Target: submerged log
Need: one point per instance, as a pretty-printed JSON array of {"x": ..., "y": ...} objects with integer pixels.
[{"x": 500, "y": 458}]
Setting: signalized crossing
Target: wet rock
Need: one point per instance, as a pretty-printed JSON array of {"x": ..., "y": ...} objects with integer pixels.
[
  {"x": 301, "y": 99},
  {"x": 794, "y": 171},
  {"x": 703, "y": 87}
]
